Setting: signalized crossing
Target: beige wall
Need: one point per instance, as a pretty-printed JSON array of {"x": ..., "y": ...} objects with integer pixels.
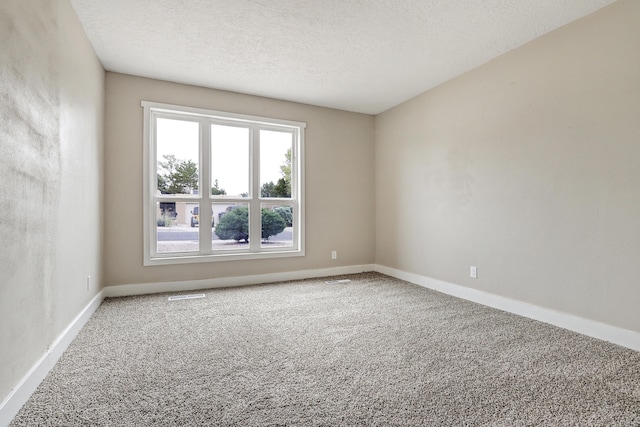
[
  {"x": 51, "y": 141},
  {"x": 339, "y": 174},
  {"x": 528, "y": 168}
]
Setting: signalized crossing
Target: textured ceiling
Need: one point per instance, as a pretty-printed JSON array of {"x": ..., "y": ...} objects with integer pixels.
[{"x": 357, "y": 55}]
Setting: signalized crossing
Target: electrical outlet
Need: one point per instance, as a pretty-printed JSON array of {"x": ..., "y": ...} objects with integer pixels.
[
  {"x": 88, "y": 282},
  {"x": 473, "y": 272},
  {"x": 334, "y": 254}
]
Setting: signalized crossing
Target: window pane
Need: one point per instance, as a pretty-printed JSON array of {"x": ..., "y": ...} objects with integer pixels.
[
  {"x": 193, "y": 218},
  {"x": 275, "y": 163},
  {"x": 277, "y": 225},
  {"x": 229, "y": 161},
  {"x": 172, "y": 227},
  {"x": 231, "y": 231},
  {"x": 177, "y": 148}
]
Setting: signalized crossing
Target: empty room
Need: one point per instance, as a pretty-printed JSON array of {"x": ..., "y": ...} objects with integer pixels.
[{"x": 320, "y": 213}]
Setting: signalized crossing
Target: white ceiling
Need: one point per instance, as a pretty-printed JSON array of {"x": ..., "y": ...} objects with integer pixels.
[{"x": 357, "y": 55}]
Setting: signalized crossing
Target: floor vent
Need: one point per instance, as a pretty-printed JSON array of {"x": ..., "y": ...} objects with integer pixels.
[
  {"x": 335, "y": 282},
  {"x": 181, "y": 297}
]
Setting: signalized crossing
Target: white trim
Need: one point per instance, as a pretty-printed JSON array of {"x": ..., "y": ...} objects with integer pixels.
[
  {"x": 230, "y": 255},
  {"x": 28, "y": 384},
  {"x": 152, "y": 111},
  {"x": 147, "y": 174},
  {"x": 591, "y": 328},
  {"x": 223, "y": 282},
  {"x": 172, "y": 108}
]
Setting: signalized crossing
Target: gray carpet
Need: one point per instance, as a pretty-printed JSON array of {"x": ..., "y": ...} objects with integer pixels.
[{"x": 375, "y": 351}]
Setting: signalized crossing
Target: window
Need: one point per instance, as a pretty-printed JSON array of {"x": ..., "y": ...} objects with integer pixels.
[{"x": 221, "y": 186}]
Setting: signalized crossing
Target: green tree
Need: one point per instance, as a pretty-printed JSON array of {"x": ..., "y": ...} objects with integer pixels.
[
  {"x": 286, "y": 168},
  {"x": 234, "y": 224},
  {"x": 286, "y": 212},
  {"x": 185, "y": 178},
  {"x": 216, "y": 190},
  {"x": 283, "y": 187},
  {"x": 272, "y": 223},
  {"x": 177, "y": 176},
  {"x": 163, "y": 186},
  {"x": 268, "y": 190}
]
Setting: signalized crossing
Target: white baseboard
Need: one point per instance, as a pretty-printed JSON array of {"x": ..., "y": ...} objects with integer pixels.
[
  {"x": 223, "y": 282},
  {"x": 25, "y": 388},
  {"x": 21, "y": 393},
  {"x": 602, "y": 331}
]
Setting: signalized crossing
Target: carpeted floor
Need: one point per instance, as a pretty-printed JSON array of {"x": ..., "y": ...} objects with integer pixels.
[{"x": 374, "y": 351}]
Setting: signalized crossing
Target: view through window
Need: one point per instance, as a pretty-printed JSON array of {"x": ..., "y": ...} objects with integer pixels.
[{"x": 221, "y": 186}]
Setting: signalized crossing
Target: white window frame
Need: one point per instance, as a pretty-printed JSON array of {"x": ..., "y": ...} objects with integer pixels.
[{"x": 154, "y": 110}]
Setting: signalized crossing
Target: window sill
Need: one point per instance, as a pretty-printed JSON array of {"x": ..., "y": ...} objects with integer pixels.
[{"x": 198, "y": 258}]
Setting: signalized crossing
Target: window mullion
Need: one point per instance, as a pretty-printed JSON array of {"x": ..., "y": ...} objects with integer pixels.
[
  {"x": 205, "y": 231},
  {"x": 297, "y": 194},
  {"x": 254, "y": 210},
  {"x": 151, "y": 186}
]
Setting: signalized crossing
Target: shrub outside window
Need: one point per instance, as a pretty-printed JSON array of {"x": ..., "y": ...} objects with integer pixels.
[{"x": 221, "y": 186}]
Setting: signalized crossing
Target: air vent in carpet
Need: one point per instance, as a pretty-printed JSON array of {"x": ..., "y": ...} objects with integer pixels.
[
  {"x": 334, "y": 282},
  {"x": 181, "y": 297}
]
